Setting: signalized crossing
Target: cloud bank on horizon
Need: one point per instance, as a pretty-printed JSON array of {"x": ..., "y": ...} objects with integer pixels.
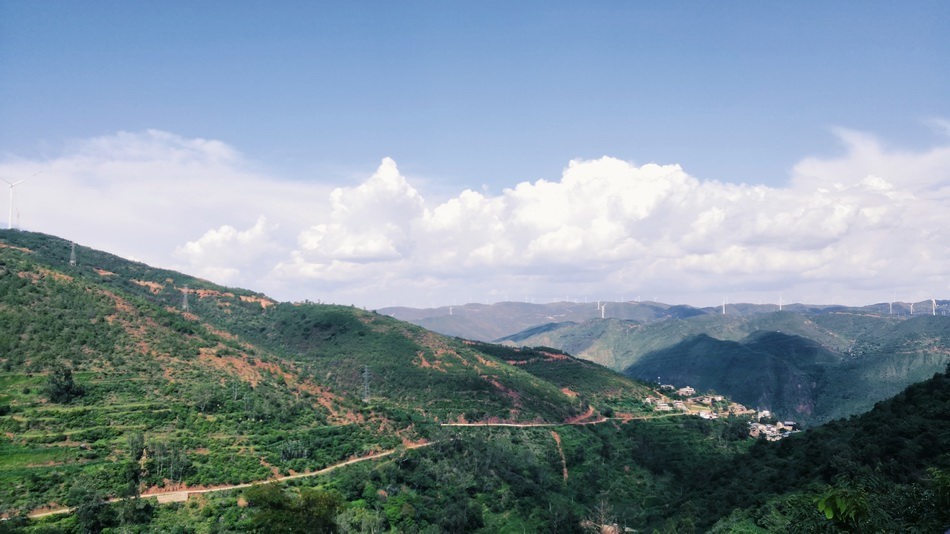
[{"x": 867, "y": 225}]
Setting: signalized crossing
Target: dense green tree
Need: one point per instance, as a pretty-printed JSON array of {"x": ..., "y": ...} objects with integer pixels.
[
  {"x": 90, "y": 508},
  {"x": 136, "y": 443},
  {"x": 317, "y": 509},
  {"x": 60, "y": 386},
  {"x": 277, "y": 510}
]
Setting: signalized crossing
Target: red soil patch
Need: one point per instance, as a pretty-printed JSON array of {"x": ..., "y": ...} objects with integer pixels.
[
  {"x": 243, "y": 369},
  {"x": 124, "y": 313},
  {"x": 582, "y": 417},
  {"x": 103, "y": 272},
  {"x": 187, "y": 315},
  {"x": 567, "y": 391},
  {"x": 27, "y": 274},
  {"x": 11, "y": 247},
  {"x": 273, "y": 468},
  {"x": 425, "y": 364},
  {"x": 45, "y": 273},
  {"x": 512, "y": 394},
  {"x": 154, "y": 287},
  {"x": 483, "y": 361},
  {"x": 265, "y": 303},
  {"x": 222, "y": 333},
  {"x": 412, "y": 444},
  {"x": 202, "y": 293},
  {"x": 239, "y": 367}
]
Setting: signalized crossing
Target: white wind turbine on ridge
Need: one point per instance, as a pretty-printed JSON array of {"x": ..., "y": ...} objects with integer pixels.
[{"x": 12, "y": 186}]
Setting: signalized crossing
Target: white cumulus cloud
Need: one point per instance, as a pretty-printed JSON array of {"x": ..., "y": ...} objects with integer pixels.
[
  {"x": 225, "y": 254},
  {"x": 854, "y": 228}
]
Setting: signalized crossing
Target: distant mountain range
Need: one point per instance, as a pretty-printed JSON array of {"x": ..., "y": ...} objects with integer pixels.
[
  {"x": 809, "y": 363},
  {"x": 492, "y": 322}
]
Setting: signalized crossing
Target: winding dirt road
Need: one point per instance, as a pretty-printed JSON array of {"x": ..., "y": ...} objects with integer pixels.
[{"x": 182, "y": 495}]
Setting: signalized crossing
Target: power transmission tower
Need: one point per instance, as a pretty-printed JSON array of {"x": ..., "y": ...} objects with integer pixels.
[
  {"x": 184, "y": 298},
  {"x": 72, "y": 256},
  {"x": 365, "y": 383}
]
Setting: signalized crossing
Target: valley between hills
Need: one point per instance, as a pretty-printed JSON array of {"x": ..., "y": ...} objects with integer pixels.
[{"x": 122, "y": 381}]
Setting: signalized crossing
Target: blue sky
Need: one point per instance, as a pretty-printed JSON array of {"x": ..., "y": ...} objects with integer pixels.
[{"x": 478, "y": 95}]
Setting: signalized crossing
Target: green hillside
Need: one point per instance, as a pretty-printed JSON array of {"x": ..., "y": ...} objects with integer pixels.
[
  {"x": 607, "y": 391},
  {"x": 768, "y": 369},
  {"x": 887, "y": 470},
  {"x": 884, "y": 471},
  {"x": 108, "y": 378}
]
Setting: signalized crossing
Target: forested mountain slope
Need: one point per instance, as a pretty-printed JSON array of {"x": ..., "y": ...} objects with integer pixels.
[
  {"x": 887, "y": 470},
  {"x": 109, "y": 364}
]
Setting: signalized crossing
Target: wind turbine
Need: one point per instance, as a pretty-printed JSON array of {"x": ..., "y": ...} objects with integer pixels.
[
  {"x": 933, "y": 302},
  {"x": 12, "y": 185},
  {"x": 602, "y": 310}
]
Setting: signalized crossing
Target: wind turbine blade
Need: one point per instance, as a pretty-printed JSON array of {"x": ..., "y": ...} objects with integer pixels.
[{"x": 14, "y": 184}]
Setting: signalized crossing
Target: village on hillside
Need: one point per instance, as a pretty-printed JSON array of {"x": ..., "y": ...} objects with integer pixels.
[{"x": 762, "y": 424}]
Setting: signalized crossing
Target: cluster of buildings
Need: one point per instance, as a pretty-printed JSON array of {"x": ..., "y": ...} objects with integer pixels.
[
  {"x": 715, "y": 406},
  {"x": 771, "y": 431},
  {"x": 686, "y": 400}
]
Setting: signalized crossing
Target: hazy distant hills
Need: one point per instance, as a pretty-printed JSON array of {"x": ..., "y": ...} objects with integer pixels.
[
  {"x": 806, "y": 362},
  {"x": 810, "y": 366},
  {"x": 489, "y": 322}
]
